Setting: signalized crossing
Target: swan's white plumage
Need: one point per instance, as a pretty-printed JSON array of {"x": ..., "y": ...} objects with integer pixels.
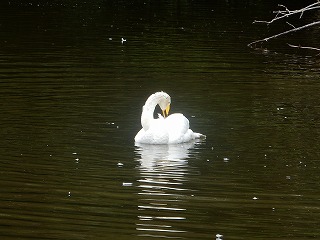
[{"x": 170, "y": 130}]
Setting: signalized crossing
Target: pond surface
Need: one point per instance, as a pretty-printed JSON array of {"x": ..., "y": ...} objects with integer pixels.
[{"x": 71, "y": 96}]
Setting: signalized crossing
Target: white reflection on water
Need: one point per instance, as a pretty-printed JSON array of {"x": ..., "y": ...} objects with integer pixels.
[{"x": 163, "y": 170}]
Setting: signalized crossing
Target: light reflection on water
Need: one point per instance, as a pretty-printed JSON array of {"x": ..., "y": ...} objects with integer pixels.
[{"x": 163, "y": 170}]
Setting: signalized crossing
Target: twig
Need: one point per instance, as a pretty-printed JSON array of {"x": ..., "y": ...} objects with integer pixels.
[
  {"x": 290, "y": 25},
  {"x": 311, "y": 48},
  {"x": 283, "y": 33},
  {"x": 287, "y": 12}
]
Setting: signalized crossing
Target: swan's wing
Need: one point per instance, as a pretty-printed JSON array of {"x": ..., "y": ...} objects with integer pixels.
[
  {"x": 156, "y": 134},
  {"x": 177, "y": 126},
  {"x": 177, "y": 123}
]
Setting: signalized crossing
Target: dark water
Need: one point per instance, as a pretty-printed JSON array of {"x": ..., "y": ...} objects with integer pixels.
[{"x": 71, "y": 96}]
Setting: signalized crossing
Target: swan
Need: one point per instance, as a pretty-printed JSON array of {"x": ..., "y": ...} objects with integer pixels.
[{"x": 166, "y": 129}]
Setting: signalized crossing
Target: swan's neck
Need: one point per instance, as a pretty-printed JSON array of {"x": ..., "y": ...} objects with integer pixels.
[{"x": 148, "y": 109}]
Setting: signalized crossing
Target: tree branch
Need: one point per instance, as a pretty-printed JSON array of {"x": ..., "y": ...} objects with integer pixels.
[
  {"x": 283, "y": 33},
  {"x": 284, "y": 12},
  {"x": 287, "y": 12},
  {"x": 311, "y": 48}
]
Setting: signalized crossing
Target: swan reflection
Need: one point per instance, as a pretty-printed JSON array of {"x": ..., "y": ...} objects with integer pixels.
[{"x": 163, "y": 170}]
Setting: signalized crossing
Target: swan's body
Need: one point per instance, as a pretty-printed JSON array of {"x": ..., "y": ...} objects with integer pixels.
[{"x": 170, "y": 130}]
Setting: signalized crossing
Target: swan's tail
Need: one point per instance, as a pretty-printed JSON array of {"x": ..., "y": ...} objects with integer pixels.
[{"x": 199, "y": 135}]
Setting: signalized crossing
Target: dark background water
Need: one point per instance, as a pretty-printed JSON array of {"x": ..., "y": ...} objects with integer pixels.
[{"x": 71, "y": 96}]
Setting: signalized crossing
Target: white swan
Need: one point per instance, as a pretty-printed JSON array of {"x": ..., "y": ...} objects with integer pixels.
[{"x": 172, "y": 129}]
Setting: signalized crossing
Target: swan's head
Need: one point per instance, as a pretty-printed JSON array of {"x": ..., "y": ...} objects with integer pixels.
[{"x": 164, "y": 103}]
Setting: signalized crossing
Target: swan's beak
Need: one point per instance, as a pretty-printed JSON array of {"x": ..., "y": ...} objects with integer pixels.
[{"x": 165, "y": 112}]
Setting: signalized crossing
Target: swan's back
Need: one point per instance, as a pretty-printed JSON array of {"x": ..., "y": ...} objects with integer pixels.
[{"x": 177, "y": 126}]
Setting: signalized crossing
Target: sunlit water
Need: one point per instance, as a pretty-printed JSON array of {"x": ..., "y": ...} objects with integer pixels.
[{"x": 71, "y": 96}]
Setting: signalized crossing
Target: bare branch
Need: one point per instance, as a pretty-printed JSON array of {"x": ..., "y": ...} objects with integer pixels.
[
  {"x": 287, "y": 12},
  {"x": 290, "y": 25},
  {"x": 301, "y": 14},
  {"x": 283, "y": 33},
  {"x": 284, "y": 12},
  {"x": 311, "y": 48}
]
